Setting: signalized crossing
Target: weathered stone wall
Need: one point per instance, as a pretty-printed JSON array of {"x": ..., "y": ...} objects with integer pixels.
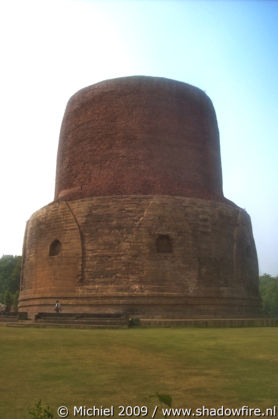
[
  {"x": 110, "y": 258},
  {"x": 52, "y": 273}
]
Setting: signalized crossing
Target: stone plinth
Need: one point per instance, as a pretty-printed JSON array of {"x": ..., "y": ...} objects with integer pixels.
[{"x": 143, "y": 255}]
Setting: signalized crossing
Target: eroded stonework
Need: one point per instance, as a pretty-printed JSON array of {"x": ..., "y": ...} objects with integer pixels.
[{"x": 139, "y": 224}]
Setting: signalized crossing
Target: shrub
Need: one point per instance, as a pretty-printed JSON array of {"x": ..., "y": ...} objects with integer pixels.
[{"x": 41, "y": 412}]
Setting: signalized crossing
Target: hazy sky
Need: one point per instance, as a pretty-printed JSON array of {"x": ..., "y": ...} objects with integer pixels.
[{"x": 50, "y": 49}]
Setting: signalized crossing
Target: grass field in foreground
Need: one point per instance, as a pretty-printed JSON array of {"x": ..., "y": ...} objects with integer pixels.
[{"x": 212, "y": 367}]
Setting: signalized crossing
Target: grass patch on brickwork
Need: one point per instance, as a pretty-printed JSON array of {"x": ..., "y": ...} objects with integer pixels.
[{"x": 196, "y": 367}]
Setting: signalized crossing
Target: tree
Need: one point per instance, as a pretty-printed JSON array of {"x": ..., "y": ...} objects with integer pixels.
[
  {"x": 10, "y": 268},
  {"x": 269, "y": 294},
  {"x": 8, "y": 299}
]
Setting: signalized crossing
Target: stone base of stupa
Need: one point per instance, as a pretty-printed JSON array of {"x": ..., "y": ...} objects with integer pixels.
[{"x": 146, "y": 256}]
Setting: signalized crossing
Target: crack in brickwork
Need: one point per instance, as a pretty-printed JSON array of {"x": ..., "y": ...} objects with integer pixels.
[{"x": 83, "y": 250}]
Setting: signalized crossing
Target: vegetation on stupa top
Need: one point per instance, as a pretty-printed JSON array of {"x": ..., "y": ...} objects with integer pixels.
[{"x": 10, "y": 267}]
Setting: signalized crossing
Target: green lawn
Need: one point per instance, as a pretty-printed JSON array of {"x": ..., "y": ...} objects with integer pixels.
[{"x": 212, "y": 367}]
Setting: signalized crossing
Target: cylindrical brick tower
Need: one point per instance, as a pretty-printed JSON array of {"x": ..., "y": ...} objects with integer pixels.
[{"x": 139, "y": 223}]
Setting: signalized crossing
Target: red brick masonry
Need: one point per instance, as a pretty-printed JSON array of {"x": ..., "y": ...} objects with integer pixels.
[{"x": 139, "y": 135}]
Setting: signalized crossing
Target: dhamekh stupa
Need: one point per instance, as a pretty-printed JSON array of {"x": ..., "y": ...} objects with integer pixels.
[{"x": 139, "y": 223}]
